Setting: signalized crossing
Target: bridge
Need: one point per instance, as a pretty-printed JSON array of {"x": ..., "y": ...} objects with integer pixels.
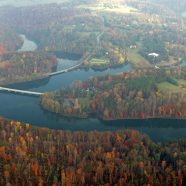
[
  {"x": 64, "y": 70},
  {"x": 46, "y": 75},
  {"x": 20, "y": 91}
]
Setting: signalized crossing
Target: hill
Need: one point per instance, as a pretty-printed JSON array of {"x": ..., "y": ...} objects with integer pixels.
[
  {"x": 40, "y": 156},
  {"x": 147, "y": 93}
]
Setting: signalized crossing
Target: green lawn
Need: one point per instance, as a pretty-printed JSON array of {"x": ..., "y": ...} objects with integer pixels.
[
  {"x": 171, "y": 61},
  {"x": 168, "y": 87},
  {"x": 182, "y": 82},
  {"x": 117, "y": 9},
  {"x": 84, "y": 102},
  {"x": 136, "y": 59},
  {"x": 97, "y": 61}
]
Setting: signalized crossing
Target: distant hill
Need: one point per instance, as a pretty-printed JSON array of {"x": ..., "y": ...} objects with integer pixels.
[
  {"x": 176, "y": 5},
  {"x": 19, "y": 3}
]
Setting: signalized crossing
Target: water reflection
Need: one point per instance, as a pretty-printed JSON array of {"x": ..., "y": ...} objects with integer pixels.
[
  {"x": 30, "y": 85},
  {"x": 28, "y": 45},
  {"x": 27, "y": 108}
]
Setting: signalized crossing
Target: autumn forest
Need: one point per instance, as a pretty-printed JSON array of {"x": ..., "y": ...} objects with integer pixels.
[{"x": 75, "y": 75}]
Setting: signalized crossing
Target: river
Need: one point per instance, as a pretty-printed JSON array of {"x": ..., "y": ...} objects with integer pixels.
[
  {"x": 28, "y": 45},
  {"x": 27, "y": 108}
]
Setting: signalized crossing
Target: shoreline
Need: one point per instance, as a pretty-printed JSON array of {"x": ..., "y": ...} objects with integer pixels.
[
  {"x": 148, "y": 118},
  {"x": 86, "y": 68},
  {"x": 94, "y": 115}
]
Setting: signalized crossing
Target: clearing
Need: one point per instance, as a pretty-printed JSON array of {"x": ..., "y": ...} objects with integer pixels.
[
  {"x": 97, "y": 61},
  {"x": 168, "y": 87},
  {"x": 136, "y": 59}
]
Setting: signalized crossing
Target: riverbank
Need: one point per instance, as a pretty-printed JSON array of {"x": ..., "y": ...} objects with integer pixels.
[
  {"x": 138, "y": 94},
  {"x": 27, "y": 109},
  {"x": 28, "y": 45},
  {"x": 25, "y": 66}
]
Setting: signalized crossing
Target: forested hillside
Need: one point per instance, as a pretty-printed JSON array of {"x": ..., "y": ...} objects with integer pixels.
[
  {"x": 9, "y": 40},
  {"x": 148, "y": 93},
  {"x": 108, "y": 33},
  {"x": 39, "y": 156},
  {"x": 148, "y": 37},
  {"x": 25, "y": 66}
]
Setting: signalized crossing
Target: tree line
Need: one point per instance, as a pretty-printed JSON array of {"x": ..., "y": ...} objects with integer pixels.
[{"x": 133, "y": 94}]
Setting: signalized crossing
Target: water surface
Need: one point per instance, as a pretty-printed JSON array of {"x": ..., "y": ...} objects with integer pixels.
[
  {"x": 27, "y": 108},
  {"x": 28, "y": 45}
]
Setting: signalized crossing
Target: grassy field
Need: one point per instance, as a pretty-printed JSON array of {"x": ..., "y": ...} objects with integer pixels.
[
  {"x": 109, "y": 8},
  {"x": 84, "y": 102},
  {"x": 168, "y": 87},
  {"x": 96, "y": 61},
  {"x": 136, "y": 59},
  {"x": 171, "y": 61},
  {"x": 182, "y": 82}
]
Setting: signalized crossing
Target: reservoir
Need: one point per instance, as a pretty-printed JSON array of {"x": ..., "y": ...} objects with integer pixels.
[
  {"x": 28, "y": 45},
  {"x": 27, "y": 108}
]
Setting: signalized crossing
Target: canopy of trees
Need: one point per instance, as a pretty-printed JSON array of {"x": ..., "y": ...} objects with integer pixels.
[
  {"x": 154, "y": 44},
  {"x": 147, "y": 93},
  {"x": 75, "y": 27},
  {"x": 39, "y": 156},
  {"x": 25, "y": 66}
]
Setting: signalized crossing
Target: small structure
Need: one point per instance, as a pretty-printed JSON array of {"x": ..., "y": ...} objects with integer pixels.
[
  {"x": 153, "y": 54},
  {"x": 133, "y": 46},
  {"x": 157, "y": 67}
]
